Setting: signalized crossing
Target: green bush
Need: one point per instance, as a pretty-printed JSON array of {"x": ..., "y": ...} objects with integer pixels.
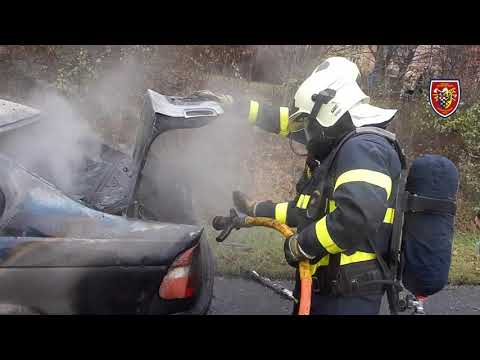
[{"x": 456, "y": 137}]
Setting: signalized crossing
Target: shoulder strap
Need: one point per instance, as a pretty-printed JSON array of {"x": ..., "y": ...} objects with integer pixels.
[
  {"x": 389, "y": 136},
  {"x": 375, "y": 130},
  {"x": 394, "y": 252}
]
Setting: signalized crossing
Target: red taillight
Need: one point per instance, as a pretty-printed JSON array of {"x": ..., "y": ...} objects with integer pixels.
[{"x": 177, "y": 284}]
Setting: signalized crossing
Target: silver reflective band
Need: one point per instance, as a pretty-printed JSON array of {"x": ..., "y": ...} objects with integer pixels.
[
  {"x": 310, "y": 257},
  {"x": 254, "y": 209}
]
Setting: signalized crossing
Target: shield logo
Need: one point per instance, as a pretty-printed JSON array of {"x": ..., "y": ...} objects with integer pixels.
[{"x": 444, "y": 96}]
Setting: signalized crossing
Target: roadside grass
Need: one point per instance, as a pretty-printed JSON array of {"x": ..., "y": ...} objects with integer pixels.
[
  {"x": 465, "y": 268},
  {"x": 251, "y": 249},
  {"x": 262, "y": 250}
]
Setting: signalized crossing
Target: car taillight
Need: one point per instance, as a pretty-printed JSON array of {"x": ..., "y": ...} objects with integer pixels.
[{"x": 177, "y": 284}]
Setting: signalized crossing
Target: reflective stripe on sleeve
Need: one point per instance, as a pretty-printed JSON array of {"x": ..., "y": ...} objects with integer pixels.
[
  {"x": 281, "y": 212},
  {"x": 283, "y": 121},
  {"x": 253, "y": 113},
  {"x": 389, "y": 214},
  {"x": 331, "y": 206},
  {"x": 368, "y": 176},
  {"x": 324, "y": 237},
  {"x": 306, "y": 199},
  {"x": 302, "y": 201}
]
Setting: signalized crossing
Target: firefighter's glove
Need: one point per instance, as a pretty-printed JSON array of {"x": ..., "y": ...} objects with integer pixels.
[
  {"x": 243, "y": 203},
  {"x": 223, "y": 99},
  {"x": 293, "y": 252}
]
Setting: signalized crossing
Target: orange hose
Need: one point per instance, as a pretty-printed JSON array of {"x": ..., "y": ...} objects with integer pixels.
[
  {"x": 304, "y": 266},
  {"x": 305, "y": 288},
  {"x": 285, "y": 230}
]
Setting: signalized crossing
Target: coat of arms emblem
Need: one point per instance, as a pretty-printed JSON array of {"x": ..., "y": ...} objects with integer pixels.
[{"x": 444, "y": 96}]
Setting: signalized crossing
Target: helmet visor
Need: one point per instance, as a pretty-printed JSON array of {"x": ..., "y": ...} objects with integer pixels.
[{"x": 298, "y": 123}]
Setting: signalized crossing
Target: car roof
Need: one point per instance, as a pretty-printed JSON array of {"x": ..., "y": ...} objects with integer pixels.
[{"x": 13, "y": 115}]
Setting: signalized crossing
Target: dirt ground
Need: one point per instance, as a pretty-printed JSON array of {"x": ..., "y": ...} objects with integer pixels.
[{"x": 238, "y": 296}]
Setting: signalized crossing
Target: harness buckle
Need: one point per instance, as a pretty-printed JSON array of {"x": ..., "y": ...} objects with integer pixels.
[
  {"x": 315, "y": 284},
  {"x": 334, "y": 288}
]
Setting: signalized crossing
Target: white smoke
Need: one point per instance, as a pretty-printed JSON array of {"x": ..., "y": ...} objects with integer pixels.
[
  {"x": 213, "y": 160},
  {"x": 56, "y": 146}
]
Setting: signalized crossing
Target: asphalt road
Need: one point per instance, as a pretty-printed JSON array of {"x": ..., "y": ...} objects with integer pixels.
[{"x": 238, "y": 296}]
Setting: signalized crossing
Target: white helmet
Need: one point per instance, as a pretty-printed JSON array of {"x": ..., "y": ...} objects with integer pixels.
[
  {"x": 340, "y": 75},
  {"x": 344, "y": 66}
]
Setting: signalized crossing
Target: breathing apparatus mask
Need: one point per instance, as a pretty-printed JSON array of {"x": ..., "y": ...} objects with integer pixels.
[{"x": 320, "y": 140}]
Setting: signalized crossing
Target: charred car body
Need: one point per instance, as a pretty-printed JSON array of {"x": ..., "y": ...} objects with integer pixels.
[{"x": 100, "y": 251}]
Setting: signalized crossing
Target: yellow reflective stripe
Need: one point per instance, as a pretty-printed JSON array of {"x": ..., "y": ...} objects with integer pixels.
[
  {"x": 389, "y": 215},
  {"x": 284, "y": 121},
  {"x": 323, "y": 262},
  {"x": 306, "y": 199},
  {"x": 253, "y": 113},
  {"x": 324, "y": 237},
  {"x": 281, "y": 212},
  {"x": 369, "y": 176},
  {"x": 356, "y": 257},
  {"x": 331, "y": 206},
  {"x": 300, "y": 201}
]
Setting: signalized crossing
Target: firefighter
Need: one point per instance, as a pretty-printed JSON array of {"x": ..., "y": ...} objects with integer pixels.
[{"x": 336, "y": 229}]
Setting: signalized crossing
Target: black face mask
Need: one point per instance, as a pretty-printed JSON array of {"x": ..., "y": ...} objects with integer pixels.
[{"x": 321, "y": 140}]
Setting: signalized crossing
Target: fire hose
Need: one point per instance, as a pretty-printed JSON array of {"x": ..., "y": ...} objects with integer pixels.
[{"x": 234, "y": 221}]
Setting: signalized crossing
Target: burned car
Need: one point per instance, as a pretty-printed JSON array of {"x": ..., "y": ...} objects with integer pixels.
[{"x": 100, "y": 250}]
